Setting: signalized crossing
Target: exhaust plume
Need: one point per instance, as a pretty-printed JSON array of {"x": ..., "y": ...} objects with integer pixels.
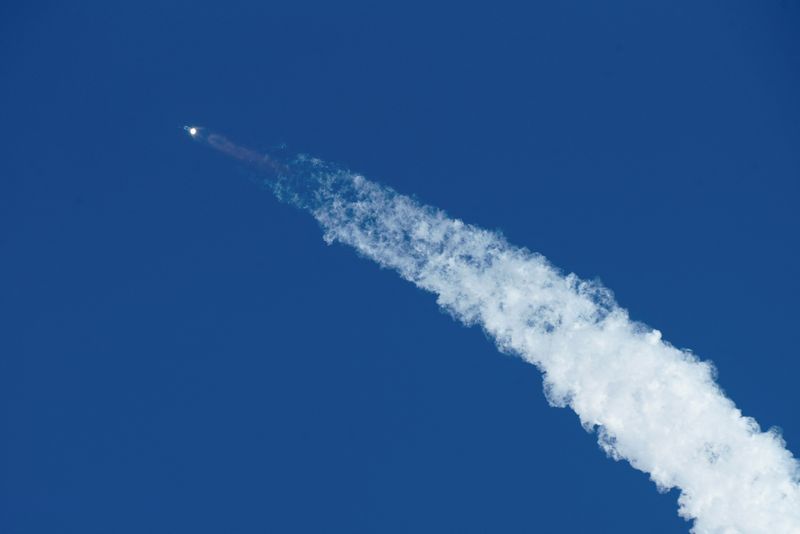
[{"x": 656, "y": 406}]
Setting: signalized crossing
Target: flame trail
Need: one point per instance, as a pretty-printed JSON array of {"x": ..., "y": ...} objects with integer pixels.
[{"x": 651, "y": 404}]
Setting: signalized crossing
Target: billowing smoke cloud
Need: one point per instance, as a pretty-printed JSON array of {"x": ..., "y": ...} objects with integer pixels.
[{"x": 651, "y": 404}]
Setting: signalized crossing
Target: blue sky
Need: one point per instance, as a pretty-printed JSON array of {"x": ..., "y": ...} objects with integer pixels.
[{"x": 180, "y": 352}]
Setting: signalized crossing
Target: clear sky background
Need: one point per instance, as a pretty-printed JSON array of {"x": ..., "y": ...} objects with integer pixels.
[{"x": 181, "y": 353}]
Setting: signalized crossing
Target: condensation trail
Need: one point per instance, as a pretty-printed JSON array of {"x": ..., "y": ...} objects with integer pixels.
[{"x": 651, "y": 404}]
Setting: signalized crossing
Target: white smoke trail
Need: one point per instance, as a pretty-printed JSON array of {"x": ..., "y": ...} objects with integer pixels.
[{"x": 651, "y": 404}]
